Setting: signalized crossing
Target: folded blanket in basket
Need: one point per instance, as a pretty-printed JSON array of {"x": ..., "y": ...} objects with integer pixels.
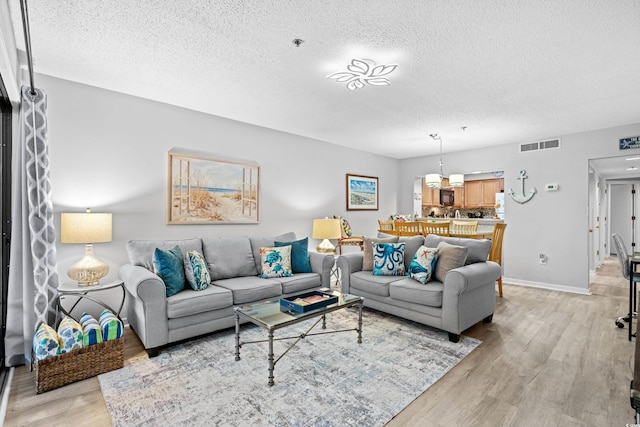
[
  {"x": 69, "y": 335},
  {"x": 45, "y": 342},
  {"x": 110, "y": 325},
  {"x": 92, "y": 334}
]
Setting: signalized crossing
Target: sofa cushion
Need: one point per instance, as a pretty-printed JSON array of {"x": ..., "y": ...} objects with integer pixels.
[
  {"x": 250, "y": 289},
  {"x": 141, "y": 251},
  {"x": 423, "y": 264},
  {"x": 367, "y": 255},
  {"x": 367, "y": 282},
  {"x": 229, "y": 257},
  {"x": 449, "y": 257},
  {"x": 191, "y": 302},
  {"x": 267, "y": 242},
  {"x": 388, "y": 259},
  {"x": 299, "y": 254},
  {"x": 169, "y": 266},
  {"x": 478, "y": 248},
  {"x": 410, "y": 290},
  {"x": 196, "y": 271},
  {"x": 276, "y": 262},
  {"x": 411, "y": 245},
  {"x": 300, "y": 282}
]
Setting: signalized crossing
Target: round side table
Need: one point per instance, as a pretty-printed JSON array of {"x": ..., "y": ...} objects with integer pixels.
[{"x": 73, "y": 289}]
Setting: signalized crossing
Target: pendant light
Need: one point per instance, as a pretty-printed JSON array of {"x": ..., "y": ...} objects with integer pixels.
[{"x": 434, "y": 180}]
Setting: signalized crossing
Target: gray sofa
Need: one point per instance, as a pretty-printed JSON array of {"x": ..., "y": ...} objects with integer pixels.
[
  {"x": 466, "y": 297},
  {"x": 234, "y": 265}
]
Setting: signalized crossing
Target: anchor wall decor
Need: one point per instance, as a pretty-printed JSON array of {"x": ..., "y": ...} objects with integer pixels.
[{"x": 522, "y": 198}]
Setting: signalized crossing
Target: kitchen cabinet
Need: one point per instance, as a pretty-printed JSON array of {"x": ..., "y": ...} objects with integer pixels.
[
  {"x": 458, "y": 197},
  {"x": 473, "y": 194},
  {"x": 428, "y": 196},
  {"x": 489, "y": 189}
]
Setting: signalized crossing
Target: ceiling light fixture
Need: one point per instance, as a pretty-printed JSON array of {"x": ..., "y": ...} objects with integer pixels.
[
  {"x": 633, "y": 158},
  {"x": 363, "y": 71},
  {"x": 434, "y": 180},
  {"x": 632, "y": 168}
]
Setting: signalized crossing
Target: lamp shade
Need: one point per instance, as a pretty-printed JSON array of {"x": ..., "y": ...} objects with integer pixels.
[
  {"x": 432, "y": 180},
  {"x": 456, "y": 180},
  {"x": 86, "y": 227},
  {"x": 326, "y": 229}
]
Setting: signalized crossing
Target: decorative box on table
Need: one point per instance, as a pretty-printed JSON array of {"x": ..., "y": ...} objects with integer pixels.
[
  {"x": 77, "y": 365},
  {"x": 307, "y": 302}
]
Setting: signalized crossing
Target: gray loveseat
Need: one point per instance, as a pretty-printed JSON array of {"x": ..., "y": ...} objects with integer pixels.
[
  {"x": 234, "y": 265},
  {"x": 466, "y": 297}
]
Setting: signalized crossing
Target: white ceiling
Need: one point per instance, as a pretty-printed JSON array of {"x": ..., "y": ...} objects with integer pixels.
[{"x": 508, "y": 70}]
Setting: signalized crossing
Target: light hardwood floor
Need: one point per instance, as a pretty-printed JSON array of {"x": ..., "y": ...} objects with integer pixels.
[{"x": 548, "y": 359}]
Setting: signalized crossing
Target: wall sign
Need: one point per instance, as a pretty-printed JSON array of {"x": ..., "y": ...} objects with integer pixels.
[{"x": 631, "y": 142}]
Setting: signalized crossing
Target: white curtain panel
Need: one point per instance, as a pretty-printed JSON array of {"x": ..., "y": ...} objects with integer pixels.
[{"x": 33, "y": 276}]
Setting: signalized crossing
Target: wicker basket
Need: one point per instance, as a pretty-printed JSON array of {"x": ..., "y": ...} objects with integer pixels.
[{"x": 78, "y": 365}]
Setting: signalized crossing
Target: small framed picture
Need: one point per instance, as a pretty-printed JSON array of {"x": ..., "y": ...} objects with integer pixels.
[{"x": 362, "y": 193}]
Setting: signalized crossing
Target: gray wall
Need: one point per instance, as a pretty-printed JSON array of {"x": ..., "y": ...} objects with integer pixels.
[
  {"x": 555, "y": 223},
  {"x": 108, "y": 151}
]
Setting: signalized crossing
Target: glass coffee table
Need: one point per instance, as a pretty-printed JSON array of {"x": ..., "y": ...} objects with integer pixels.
[{"x": 269, "y": 316}]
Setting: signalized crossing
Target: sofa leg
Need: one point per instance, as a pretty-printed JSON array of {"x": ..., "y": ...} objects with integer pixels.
[
  {"x": 488, "y": 319},
  {"x": 153, "y": 352},
  {"x": 454, "y": 337}
]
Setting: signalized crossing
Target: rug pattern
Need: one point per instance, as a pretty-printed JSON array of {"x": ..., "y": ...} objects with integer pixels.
[{"x": 326, "y": 380}]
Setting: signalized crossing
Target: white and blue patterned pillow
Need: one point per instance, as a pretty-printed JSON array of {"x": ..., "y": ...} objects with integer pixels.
[
  {"x": 388, "y": 259},
  {"x": 45, "y": 342},
  {"x": 423, "y": 264},
  {"x": 276, "y": 262},
  {"x": 196, "y": 271},
  {"x": 70, "y": 335}
]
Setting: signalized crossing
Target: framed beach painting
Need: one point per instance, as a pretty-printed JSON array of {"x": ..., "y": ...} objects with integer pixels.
[
  {"x": 211, "y": 190},
  {"x": 362, "y": 193}
]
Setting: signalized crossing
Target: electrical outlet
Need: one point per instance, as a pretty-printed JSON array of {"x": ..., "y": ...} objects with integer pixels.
[{"x": 543, "y": 258}]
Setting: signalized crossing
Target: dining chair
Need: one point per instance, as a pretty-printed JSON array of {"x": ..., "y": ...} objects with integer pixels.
[
  {"x": 347, "y": 238},
  {"x": 495, "y": 254},
  {"x": 439, "y": 228},
  {"x": 386, "y": 226},
  {"x": 407, "y": 228},
  {"x": 463, "y": 228}
]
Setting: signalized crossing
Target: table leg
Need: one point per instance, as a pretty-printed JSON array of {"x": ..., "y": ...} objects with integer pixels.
[
  {"x": 631, "y": 283},
  {"x": 360, "y": 322},
  {"x": 237, "y": 337},
  {"x": 324, "y": 321},
  {"x": 271, "y": 362}
]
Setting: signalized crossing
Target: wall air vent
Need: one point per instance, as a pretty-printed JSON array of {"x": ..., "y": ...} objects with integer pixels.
[{"x": 541, "y": 145}]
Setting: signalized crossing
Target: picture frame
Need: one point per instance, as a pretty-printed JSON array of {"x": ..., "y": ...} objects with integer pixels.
[
  {"x": 205, "y": 189},
  {"x": 362, "y": 193}
]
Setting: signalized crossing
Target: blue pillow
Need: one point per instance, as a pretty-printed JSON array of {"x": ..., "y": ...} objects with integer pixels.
[
  {"x": 168, "y": 265},
  {"x": 299, "y": 255},
  {"x": 388, "y": 259},
  {"x": 196, "y": 271},
  {"x": 276, "y": 262},
  {"x": 423, "y": 264}
]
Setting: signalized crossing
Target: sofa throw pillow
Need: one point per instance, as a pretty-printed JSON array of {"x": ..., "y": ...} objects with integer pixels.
[
  {"x": 388, "y": 259},
  {"x": 299, "y": 255},
  {"x": 196, "y": 271},
  {"x": 449, "y": 257},
  {"x": 168, "y": 265},
  {"x": 367, "y": 256},
  {"x": 276, "y": 262},
  {"x": 346, "y": 227},
  {"x": 423, "y": 264}
]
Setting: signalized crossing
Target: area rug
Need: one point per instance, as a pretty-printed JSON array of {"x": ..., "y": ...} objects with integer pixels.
[{"x": 325, "y": 380}]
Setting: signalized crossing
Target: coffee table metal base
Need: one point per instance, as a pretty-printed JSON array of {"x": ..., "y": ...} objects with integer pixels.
[{"x": 271, "y": 334}]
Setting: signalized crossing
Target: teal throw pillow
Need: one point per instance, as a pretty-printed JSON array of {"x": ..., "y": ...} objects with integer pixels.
[
  {"x": 168, "y": 265},
  {"x": 276, "y": 262},
  {"x": 196, "y": 271},
  {"x": 299, "y": 255},
  {"x": 388, "y": 259},
  {"x": 423, "y": 264}
]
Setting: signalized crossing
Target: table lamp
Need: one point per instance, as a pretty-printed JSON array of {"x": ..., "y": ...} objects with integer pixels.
[
  {"x": 326, "y": 229},
  {"x": 87, "y": 228}
]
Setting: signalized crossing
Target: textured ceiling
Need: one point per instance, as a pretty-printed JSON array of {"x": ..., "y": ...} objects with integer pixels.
[{"x": 510, "y": 70}]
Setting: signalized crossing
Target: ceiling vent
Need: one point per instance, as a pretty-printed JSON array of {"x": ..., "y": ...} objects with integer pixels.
[{"x": 540, "y": 145}]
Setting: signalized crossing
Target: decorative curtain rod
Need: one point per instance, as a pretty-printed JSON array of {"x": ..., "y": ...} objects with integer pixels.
[{"x": 27, "y": 43}]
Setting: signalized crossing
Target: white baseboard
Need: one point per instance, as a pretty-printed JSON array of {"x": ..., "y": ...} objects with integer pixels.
[{"x": 549, "y": 286}]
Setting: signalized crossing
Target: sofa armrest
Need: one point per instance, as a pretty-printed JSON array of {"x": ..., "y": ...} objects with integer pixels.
[
  {"x": 322, "y": 264},
  {"x": 349, "y": 263},
  {"x": 147, "y": 308},
  {"x": 469, "y": 295}
]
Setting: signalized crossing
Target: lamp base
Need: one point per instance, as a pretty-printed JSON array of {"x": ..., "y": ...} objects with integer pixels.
[
  {"x": 325, "y": 247},
  {"x": 89, "y": 270}
]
